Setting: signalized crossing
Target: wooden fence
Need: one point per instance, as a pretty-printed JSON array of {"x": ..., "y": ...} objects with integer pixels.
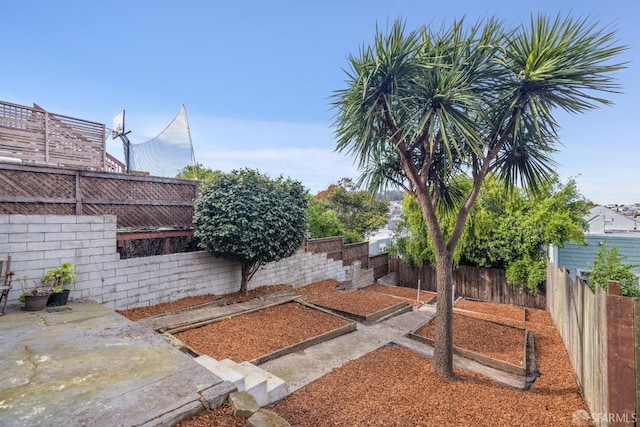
[
  {"x": 380, "y": 265},
  {"x": 485, "y": 284},
  {"x": 602, "y": 335},
  {"x": 32, "y": 135},
  {"x": 336, "y": 250},
  {"x": 138, "y": 202}
]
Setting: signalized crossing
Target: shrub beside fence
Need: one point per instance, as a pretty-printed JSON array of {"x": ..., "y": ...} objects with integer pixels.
[{"x": 484, "y": 284}]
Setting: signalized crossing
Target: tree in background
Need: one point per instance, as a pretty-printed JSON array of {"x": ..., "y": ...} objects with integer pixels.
[
  {"x": 609, "y": 265},
  {"x": 321, "y": 220},
  {"x": 247, "y": 217},
  {"x": 359, "y": 212},
  {"x": 508, "y": 230},
  {"x": 423, "y": 108},
  {"x": 198, "y": 173}
]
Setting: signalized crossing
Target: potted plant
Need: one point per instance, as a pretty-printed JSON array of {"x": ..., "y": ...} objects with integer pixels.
[
  {"x": 35, "y": 298},
  {"x": 55, "y": 280}
]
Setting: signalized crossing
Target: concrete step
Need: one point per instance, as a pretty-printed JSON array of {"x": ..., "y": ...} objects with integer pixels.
[
  {"x": 255, "y": 384},
  {"x": 223, "y": 371},
  {"x": 276, "y": 387}
]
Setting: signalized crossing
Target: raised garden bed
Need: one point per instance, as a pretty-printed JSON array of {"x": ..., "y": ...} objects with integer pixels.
[
  {"x": 264, "y": 334},
  {"x": 493, "y": 309},
  {"x": 493, "y": 344},
  {"x": 189, "y": 303},
  {"x": 363, "y": 306},
  {"x": 409, "y": 294}
]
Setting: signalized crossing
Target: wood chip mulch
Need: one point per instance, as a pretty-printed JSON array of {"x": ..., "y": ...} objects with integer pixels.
[
  {"x": 221, "y": 417},
  {"x": 166, "y": 307},
  {"x": 482, "y": 336},
  {"x": 249, "y": 336},
  {"x": 361, "y": 303},
  {"x": 500, "y": 310},
  {"x": 395, "y": 386},
  {"x": 409, "y": 294},
  {"x": 186, "y": 302}
]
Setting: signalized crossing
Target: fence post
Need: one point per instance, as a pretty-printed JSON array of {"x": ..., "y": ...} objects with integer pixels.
[
  {"x": 78, "y": 193},
  {"x": 621, "y": 373},
  {"x": 613, "y": 287}
]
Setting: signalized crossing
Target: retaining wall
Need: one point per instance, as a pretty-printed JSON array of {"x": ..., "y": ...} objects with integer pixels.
[{"x": 38, "y": 243}]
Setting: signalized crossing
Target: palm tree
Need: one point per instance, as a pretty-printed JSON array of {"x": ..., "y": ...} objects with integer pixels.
[{"x": 422, "y": 108}]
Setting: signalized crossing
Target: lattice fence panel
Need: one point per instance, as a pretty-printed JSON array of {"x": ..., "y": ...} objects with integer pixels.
[
  {"x": 37, "y": 209},
  {"x": 120, "y": 189},
  {"x": 20, "y": 183},
  {"x": 145, "y": 216}
]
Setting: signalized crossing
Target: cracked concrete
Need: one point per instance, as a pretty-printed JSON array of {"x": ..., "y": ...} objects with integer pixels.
[{"x": 88, "y": 365}]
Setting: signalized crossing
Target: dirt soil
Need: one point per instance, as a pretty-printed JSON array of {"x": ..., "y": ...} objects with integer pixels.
[
  {"x": 482, "y": 336},
  {"x": 249, "y": 336},
  {"x": 395, "y": 386}
]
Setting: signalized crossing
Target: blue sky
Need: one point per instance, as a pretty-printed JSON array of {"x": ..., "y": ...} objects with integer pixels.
[{"x": 256, "y": 77}]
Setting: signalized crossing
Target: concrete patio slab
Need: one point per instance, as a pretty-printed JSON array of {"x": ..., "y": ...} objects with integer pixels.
[{"x": 85, "y": 365}]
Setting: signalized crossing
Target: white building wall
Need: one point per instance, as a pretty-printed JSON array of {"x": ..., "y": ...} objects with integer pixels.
[{"x": 38, "y": 243}]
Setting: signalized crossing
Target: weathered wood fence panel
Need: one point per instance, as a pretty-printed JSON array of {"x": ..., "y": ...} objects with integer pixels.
[
  {"x": 485, "y": 284},
  {"x": 356, "y": 252},
  {"x": 332, "y": 246},
  {"x": 36, "y": 136},
  {"x": 380, "y": 265},
  {"x": 335, "y": 249},
  {"x": 138, "y": 202},
  {"x": 600, "y": 332}
]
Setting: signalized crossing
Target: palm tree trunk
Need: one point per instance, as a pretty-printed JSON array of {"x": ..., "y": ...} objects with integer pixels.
[{"x": 443, "y": 352}]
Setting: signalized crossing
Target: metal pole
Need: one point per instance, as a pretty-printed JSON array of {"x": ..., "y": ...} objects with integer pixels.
[
  {"x": 127, "y": 150},
  {"x": 418, "y": 291},
  {"x": 453, "y": 295}
]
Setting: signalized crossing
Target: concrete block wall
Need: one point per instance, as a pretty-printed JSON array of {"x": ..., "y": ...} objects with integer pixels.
[
  {"x": 359, "y": 277},
  {"x": 38, "y": 243}
]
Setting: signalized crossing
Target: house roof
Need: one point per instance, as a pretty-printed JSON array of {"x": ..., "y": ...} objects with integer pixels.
[{"x": 602, "y": 221}]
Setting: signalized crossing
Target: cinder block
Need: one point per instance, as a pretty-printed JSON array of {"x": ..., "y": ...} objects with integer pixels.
[
  {"x": 59, "y": 253},
  {"x": 58, "y": 236},
  {"x": 26, "y": 219},
  {"x": 126, "y": 286}
]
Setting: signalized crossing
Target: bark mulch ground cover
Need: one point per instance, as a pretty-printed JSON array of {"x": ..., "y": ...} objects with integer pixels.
[
  {"x": 395, "y": 386},
  {"x": 409, "y": 294},
  {"x": 186, "y": 302},
  {"x": 361, "y": 303},
  {"x": 499, "y": 310},
  {"x": 249, "y": 336},
  {"x": 481, "y": 336}
]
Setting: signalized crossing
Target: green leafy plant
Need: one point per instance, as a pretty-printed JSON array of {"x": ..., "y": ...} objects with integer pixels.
[
  {"x": 38, "y": 288},
  {"x": 247, "y": 217},
  {"x": 56, "y": 278},
  {"x": 608, "y": 265}
]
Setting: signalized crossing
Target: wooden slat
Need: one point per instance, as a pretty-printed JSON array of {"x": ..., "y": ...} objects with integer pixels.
[
  {"x": 620, "y": 358},
  {"x": 138, "y": 202},
  {"x": 36, "y": 136}
]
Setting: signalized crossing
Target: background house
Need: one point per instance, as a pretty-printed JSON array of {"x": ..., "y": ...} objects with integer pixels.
[{"x": 605, "y": 226}]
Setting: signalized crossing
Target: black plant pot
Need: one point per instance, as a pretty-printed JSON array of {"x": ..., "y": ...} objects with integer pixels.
[{"x": 58, "y": 298}]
